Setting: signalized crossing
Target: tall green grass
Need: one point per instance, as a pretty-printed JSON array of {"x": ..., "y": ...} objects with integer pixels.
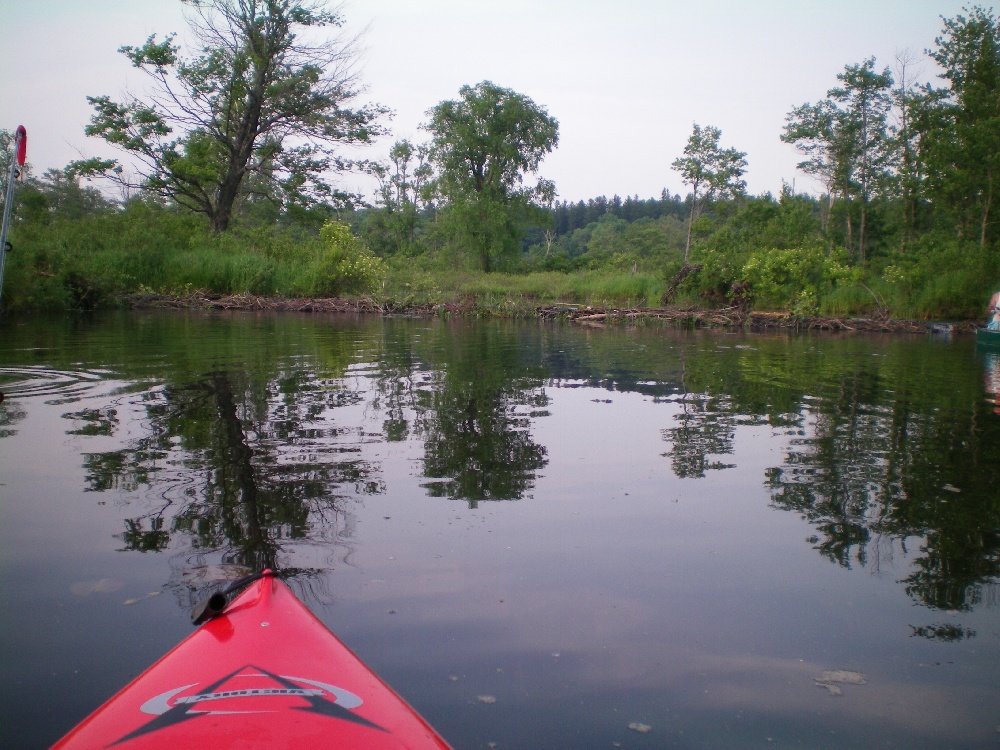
[
  {"x": 99, "y": 260},
  {"x": 598, "y": 288}
]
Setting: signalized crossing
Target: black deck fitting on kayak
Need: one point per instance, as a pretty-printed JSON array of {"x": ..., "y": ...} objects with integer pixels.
[
  {"x": 213, "y": 606},
  {"x": 208, "y": 608}
]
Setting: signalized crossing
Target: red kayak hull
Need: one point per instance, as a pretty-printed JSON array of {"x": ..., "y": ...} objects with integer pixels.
[{"x": 264, "y": 674}]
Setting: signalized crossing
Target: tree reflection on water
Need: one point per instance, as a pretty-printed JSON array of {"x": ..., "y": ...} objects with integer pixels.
[
  {"x": 477, "y": 441},
  {"x": 889, "y": 446},
  {"x": 239, "y": 466},
  {"x": 236, "y": 464},
  {"x": 877, "y": 457}
]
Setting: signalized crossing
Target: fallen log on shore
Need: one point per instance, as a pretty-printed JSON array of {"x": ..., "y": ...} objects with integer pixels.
[
  {"x": 688, "y": 317},
  {"x": 734, "y": 317}
]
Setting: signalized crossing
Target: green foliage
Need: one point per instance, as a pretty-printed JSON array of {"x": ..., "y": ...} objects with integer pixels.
[
  {"x": 711, "y": 171},
  {"x": 346, "y": 266},
  {"x": 611, "y": 243},
  {"x": 257, "y": 111},
  {"x": 489, "y": 229},
  {"x": 794, "y": 278},
  {"x": 943, "y": 277},
  {"x": 97, "y": 260},
  {"x": 720, "y": 271},
  {"x": 405, "y": 190},
  {"x": 962, "y": 151},
  {"x": 913, "y": 203},
  {"x": 854, "y": 299},
  {"x": 848, "y": 143},
  {"x": 484, "y": 144}
]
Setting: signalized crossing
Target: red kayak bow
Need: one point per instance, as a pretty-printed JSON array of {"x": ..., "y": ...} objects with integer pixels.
[{"x": 265, "y": 673}]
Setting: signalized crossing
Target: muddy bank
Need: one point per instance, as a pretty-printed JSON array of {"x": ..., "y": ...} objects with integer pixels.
[{"x": 693, "y": 317}]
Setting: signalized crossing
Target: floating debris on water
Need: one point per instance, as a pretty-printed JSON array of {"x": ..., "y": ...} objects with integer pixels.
[
  {"x": 488, "y": 699},
  {"x": 101, "y": 586},
  {"x": 130, "y": 602},
  {"x": 831, "y": 677},
  {"x": 637, "y": 726},
  {"x": 843, "y": 676},
  {"x": 199, "y": 574}
]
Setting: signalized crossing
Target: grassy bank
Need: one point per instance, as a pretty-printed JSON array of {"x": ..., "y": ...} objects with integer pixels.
[
  {"x": 101, "y": 261},
  {"x": 97, "y": 262}
]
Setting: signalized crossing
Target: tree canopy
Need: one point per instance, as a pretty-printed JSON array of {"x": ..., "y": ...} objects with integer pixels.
[
  {"x": 710, "y": 170},
  {"x": 256, "y": 112},
  {"x": 484, "y": 144},
  {"x": 964, "y": 148},
  {"x": 905, "y": 220},
  {"x": 847, "y": 140}
]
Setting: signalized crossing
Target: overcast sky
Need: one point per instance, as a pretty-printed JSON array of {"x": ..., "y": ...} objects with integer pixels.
[{"x": 626, "y": 79}]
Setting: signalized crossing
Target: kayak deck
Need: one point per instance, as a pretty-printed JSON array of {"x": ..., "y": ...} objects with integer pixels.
[{"x": 264, "y": 674}]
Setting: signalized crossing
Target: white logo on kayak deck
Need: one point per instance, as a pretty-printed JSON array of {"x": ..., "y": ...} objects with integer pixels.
[
  {"x": 162, "y": 703},
  {"x": 256, "y": 692},
  {"x": 171, "y": 708}
]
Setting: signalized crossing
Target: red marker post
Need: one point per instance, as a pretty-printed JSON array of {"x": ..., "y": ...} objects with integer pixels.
[{"x": 20, "y": 154}]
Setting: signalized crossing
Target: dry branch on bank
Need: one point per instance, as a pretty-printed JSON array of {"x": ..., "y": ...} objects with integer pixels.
[
  {"x": 690, "y": 317},
  {"x": 735, "y": 317},
  {"x": 204, "y": 301}
]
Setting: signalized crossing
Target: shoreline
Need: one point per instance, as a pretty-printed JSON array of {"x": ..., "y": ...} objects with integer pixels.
[{"x": 587, "y": 315}]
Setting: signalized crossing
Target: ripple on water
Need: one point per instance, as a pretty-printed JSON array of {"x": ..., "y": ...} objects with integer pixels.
[{"x": 55, "y": 386}]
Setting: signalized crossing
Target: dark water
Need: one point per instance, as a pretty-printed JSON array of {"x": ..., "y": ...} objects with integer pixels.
[{"x": 538, "y": 534}]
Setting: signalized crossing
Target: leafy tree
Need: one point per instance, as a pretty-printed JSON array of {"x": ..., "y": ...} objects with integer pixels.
[
  {"x": 484, "y": 144},
  {"x": 964, "y": 144},
  {"x": 847, "y": 140},
  {"x": 865, "y": 100},
  {"x": 404, "y": 190},
  {"x": 707, "y": 167},
  {"x": 257, "y": 111},
  {"x": 909, "y": 104},
  {"x": 58, "y": 195},
  {"x": 812, "y": 128}
]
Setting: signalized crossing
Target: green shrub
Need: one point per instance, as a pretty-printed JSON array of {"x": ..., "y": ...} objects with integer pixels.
[
  {"x": 346, "y": 266},
  {"x": 795, "y": 278}
]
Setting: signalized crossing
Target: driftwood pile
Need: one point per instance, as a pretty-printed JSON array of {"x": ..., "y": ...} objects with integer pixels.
[
  {"x": 245, "y": 302},
  {"x": 736, "y": 317},
  {"x": 689, "y": 317}
]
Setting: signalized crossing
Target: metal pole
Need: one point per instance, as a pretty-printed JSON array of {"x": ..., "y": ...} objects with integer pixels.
[{"x": 8, "y": 200}]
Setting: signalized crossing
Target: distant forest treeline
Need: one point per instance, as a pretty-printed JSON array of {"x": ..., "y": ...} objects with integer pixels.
[{"x": 567, "y": 217}]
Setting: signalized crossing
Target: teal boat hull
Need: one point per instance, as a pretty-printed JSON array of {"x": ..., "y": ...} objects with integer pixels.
[{"x": 986, "y": 337}]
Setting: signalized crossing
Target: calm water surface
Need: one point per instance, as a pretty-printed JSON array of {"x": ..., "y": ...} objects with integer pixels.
[{"x": 595, "y": 528}]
